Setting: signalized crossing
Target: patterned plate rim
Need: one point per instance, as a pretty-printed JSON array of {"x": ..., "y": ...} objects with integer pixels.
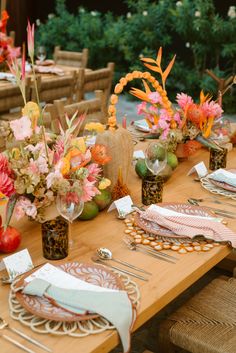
[{"x": 74, "y": 317}]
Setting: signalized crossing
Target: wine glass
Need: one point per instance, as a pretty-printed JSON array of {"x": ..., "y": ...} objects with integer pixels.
[
  {"x": 41, "y": 53},
  {"x": 90, "y": 132},
  {"x": 156, "y": 157},
  {"x": 70, "y": 205}
]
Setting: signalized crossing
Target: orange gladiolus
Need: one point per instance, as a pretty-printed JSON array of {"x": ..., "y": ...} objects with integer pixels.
[{"x": 99, "y": 154}]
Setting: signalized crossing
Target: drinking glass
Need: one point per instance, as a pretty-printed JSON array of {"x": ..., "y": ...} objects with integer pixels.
[
  {"x": 70, "y": 205},
  {"x": 90, "y": 132},
  {"x": 41, "y": 53}
]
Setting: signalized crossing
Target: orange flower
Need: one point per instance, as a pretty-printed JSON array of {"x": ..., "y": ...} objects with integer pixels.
[
  {"x": 195, "y": 114},
  {"x": 77, "y": 159},
  {"x": 99, "y": 154}
]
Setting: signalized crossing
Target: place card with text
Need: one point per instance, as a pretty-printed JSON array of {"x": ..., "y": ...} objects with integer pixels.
[
  {"x": 200, "y": 169},
  {"x": 18, "y": 263},
  {"x": 123, "y": 206}
]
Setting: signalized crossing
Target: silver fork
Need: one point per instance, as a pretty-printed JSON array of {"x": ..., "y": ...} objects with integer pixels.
[{"x": 135, "y": 247}]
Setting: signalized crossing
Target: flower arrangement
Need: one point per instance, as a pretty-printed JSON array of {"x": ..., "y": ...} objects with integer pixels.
[
  {"x": 33, "y": 173},
  {"x": 7, "y": 51},
  {"x": 188, "y": 122},
  {"x": 38, "y": 165}
]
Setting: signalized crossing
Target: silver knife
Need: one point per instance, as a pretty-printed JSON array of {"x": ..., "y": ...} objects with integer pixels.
[
  {"x": 156, "y": 256},
  {"x": 30, "y": 339},
  {"x": 18, "y": 344}
]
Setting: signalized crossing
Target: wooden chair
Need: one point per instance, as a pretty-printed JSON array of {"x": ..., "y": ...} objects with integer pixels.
[
  {"x": 100, "y": 79},
  {"x": 11, "y": 99},
  {"x": 70, "y": 58},
  {"x": 204, "y": 324},
  {"x": 92, "y": 108},
  {"x": 52, "y": 88}
]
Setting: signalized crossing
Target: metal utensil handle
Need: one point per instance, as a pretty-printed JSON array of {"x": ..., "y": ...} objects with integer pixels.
[
  {"x": 220, "y": 202},
  {"x": 32, "y": 340},
  {"x": 220, "y": 210},
  {"x": 18, "y": 344},
  {"x": 223, "y": 214},
  {"x": 156, "y": 256},
  {"x": 131, "y": 266},
  {"x": 124, "y": 271},
  {"x": 146, "y": 247}
]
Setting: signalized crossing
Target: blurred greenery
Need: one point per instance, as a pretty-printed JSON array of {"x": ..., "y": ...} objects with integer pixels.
[{"x": 201, "y": 38}]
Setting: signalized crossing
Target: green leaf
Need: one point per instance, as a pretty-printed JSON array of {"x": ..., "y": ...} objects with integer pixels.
[{"x": 10, "y": 208}]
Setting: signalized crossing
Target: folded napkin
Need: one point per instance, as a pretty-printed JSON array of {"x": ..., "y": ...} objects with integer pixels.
[
  {"x": 77, "y": 296},
  {"x": 188, "y": 225},
  {"x": 49, "y": 70},
  {"x": 7, "y": 76},
  {"x": 224, "y": 176},
  {"x": 45, "y": 62}
]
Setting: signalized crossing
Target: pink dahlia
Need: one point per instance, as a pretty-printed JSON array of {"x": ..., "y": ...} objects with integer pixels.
[
  {"x": 6, "y": 185},
  {"x": 212, "y": 109}
]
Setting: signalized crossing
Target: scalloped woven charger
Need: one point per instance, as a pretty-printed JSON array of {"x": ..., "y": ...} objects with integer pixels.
[
  {"x": 81, "y": 328},
  {"x": 207, "y": 184}
]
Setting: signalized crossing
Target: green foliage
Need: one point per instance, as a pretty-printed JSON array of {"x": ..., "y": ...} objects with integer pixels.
[{"x": 192, "y": 29}]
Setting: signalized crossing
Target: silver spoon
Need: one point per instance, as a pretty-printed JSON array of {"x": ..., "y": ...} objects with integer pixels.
[
  {"x": 106, "y": 254},
  {"x": 98, "y": 260}
]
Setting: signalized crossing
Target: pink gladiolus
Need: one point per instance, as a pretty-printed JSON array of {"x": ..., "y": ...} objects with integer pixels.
[
  {"x": 212, "y": 109},
  {"x": 141, "y": 108},
  {"x": 183, "y": 100},
  {"x": 155, "y": 97},
  {"x": 30, "y": 40}
]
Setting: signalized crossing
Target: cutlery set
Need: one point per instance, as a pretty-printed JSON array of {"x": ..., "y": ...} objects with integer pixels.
[
  {"x": 104, "y": 254},
  {"x": 5, "y": 325},
  {"x": 217, "y": 211}
]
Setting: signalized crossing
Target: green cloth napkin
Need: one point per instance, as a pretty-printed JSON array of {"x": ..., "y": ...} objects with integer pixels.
[{"x": 114, "y": 306}]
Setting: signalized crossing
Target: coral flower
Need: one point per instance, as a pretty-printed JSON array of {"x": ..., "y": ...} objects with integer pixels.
[
  {"x": 6, "y": 185},
  {"x": 99, "y": 154},
  {"x": 77, "y": 159}
]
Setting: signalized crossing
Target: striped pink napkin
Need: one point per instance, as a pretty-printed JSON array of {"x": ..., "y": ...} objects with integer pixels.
[{"x": 189, "y": 226}]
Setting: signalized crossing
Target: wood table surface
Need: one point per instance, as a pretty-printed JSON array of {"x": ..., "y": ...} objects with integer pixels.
[{"x": 167, "y": 280}]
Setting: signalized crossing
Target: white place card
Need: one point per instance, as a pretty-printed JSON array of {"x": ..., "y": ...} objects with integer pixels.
[
  {"x": 62, "y": 279},
  {"x": 123, "y": 206},
  {"x": 18, "y": 263},
  {"x": 200, "y": 169},
  {"x": 138, "y": 154}
]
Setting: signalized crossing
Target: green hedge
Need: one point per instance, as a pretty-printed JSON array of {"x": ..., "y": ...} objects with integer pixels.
[{"x": 192, "y": 29}]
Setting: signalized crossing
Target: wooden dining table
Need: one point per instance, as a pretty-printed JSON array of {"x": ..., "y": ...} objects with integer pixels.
[{"x": 106, "y": 230}]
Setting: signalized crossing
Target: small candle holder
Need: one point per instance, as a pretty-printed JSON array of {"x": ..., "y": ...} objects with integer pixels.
[
  {"x": 152, "y": 189},
  {"x": 55, "y": 239},
  {"x": 218, "y": 158}
]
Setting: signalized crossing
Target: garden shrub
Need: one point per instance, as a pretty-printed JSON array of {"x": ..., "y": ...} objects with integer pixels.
[{"x": 192, "y": 29}]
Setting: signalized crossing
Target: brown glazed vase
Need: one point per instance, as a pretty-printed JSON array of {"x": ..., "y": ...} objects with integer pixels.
[{"x": 55, "y": 239}]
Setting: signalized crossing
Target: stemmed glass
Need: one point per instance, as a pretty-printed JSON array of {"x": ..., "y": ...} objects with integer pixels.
[
  {"x": 70, "y": 205},
  {"x": 41, "y": 53},
  {"x": 90, "y": 132}
]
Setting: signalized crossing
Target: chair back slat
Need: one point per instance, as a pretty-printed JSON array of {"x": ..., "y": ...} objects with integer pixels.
[
  {"x": 11, "y": 98},
  {"x": 100, "y": 79},
  {"x": 50, "y": 89},
  {"x": 69, "y": 58},
  {"x": 92, "y": 108}
]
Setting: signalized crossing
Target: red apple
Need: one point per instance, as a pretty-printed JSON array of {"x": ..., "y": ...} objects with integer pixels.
[{"x": 9, "y": 240}]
